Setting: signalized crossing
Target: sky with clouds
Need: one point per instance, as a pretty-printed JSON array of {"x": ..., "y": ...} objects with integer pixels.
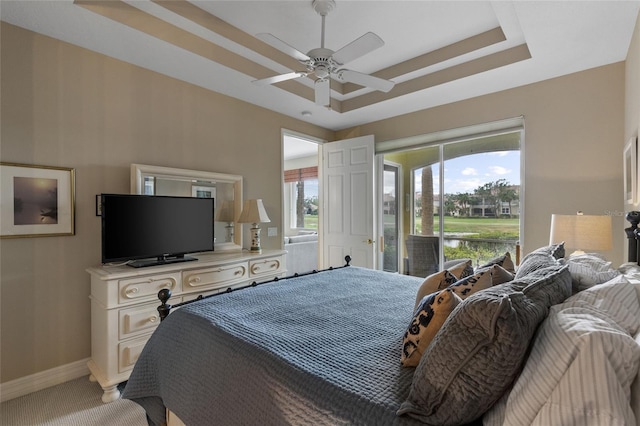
[
  {"x": 462, "y": 174},
  {"x": 465, "y": 174}
]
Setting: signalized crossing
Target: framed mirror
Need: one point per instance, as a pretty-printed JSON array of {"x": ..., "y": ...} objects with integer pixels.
[{"x": 224, "y": 188}]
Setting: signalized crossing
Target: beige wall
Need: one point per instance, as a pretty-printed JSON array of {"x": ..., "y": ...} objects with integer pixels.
[
  {"x": 574, "y": 128},
  {"x": 69, "y": 107},
  {"x": 632, "y": 90}
]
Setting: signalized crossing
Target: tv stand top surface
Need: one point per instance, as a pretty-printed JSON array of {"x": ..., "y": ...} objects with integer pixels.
[
  {"x": 106, "y": 272},
  {"x": 161, "y": 260}
]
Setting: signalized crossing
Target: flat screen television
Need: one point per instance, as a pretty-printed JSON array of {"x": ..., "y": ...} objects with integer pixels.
[{"x": 146, "y": 230}]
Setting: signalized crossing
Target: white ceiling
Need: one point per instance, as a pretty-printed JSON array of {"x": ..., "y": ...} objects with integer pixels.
[{"x": 562, "y": 37}]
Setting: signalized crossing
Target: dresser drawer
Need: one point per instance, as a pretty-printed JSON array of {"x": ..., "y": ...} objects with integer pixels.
[
  {"x": 221, "y": 276},
  {"x": 267, "y": 266},
  {"x": 128, "y": 353},
  {"x": 147, "y": 287},
  {"x": 141, "y": 319}
]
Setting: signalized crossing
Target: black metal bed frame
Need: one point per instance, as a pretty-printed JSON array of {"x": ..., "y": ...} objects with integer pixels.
[{"x": 165, "y": 294}]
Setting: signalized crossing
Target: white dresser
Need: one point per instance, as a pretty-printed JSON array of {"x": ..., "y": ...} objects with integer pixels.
[{"x": 124, "y": 302}]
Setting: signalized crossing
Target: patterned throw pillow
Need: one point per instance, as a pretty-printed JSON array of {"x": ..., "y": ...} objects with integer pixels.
[
  {"x": 432, "y": 312},
  {"x": 433, "y": 283},
  {"x": 504, "y": 261},
  {"x": 462, "y": 269},
  {"x": 469, "y": 285},
  {"x": 482, "y": 279},
  {"x": 428, "y": 317}
]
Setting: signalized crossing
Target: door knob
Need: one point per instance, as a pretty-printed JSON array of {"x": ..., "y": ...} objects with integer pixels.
[{"x": 369, "y": 241}]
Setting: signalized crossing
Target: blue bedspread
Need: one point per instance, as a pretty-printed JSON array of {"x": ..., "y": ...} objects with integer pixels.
[{"x": 322, "y": 349}]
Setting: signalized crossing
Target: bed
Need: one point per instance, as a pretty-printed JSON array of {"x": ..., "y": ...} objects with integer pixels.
[{"x": 326, "y": 349}]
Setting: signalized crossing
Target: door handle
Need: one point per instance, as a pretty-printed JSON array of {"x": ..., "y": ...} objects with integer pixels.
[{"x": 369, "y": 241}]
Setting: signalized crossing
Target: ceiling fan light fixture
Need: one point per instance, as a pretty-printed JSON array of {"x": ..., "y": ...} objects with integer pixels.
[
  {"x": 323, "y": 7},
  {"x": 322, "y": 71}
]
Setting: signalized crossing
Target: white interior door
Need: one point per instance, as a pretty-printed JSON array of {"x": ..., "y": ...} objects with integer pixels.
[{"x": 349, "y": 202}]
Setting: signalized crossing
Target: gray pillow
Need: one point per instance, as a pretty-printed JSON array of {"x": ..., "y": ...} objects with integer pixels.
[
  {"x": 555, "y": 250},
  {"x": 480, "y": 349},
  {"x": 533, "y": 262},
  {"x": 541, "y": 258},
  {"x": 548, "y": 286}
]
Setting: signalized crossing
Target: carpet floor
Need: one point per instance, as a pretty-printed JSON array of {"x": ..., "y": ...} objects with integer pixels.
[{"x": 74, "y": 403}]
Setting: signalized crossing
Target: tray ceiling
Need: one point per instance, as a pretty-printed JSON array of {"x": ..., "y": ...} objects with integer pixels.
[{"x": 437, "y": 52}]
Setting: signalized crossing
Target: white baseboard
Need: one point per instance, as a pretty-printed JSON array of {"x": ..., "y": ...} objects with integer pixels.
[{"x": 43, "y": 380}]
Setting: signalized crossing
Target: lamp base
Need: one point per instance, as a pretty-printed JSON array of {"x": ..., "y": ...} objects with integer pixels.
[
  {"x": 230, "y": 232},
  {"x": 255, "y": 240}
]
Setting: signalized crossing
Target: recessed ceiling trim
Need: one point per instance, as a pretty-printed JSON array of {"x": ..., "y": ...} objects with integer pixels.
[
  {"x": 211, "y": 22},
  {"x": 462, "y": 47},
  {"x": 476, "y": 66},
  {"x": 139, "y": 20},
  {"x": 135, "y": 18}
]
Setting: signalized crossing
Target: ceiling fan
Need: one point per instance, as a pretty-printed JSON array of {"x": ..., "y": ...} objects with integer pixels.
[{"x": 324, "y": 63}]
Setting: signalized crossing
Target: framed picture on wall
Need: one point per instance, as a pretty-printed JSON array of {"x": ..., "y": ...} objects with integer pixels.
[
  {"x": 204, "y": 192},
  {"x": 36, "y": 201},
  {"x": 631, "y": 171}
]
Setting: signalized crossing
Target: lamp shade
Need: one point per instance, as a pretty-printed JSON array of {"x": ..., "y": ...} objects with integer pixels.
[
  {"x": 253, "y": 212},
  {"x": 582, "y": 232},
  {"x": 225, "y": 212}
]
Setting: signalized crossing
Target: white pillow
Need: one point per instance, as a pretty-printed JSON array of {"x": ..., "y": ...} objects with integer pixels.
[
  {"x": 589, "y": 269},
  {"x": 617, "y": 298},
  {"x": 635, "y": 390}
]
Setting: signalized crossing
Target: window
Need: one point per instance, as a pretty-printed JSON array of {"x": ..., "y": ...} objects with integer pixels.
[{"x": 302, "y": 188}]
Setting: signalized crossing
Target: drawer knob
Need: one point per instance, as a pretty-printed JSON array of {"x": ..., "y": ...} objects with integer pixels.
[
  {"x": 132, "y": 291},
  {"x": 194, "y": 280},
  {"x": 153, "y": 318}
]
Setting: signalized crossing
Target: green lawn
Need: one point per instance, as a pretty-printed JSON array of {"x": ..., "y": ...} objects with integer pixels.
[
  {"x": 490, "y": 228},
  {"x": 311, "y": 221},
  {"x": 480, "y": 227}
]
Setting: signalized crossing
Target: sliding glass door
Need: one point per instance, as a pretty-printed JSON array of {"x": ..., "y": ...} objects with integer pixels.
[
  {"x": 391, "y": 217},
  {"x": 464, "y": 201}
]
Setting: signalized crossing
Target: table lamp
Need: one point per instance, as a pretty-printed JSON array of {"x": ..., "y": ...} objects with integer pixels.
[
  {"x": 225, "y": 214},
  {"x": 581, "y": 232},
  {"x": 253, "y": 212}
]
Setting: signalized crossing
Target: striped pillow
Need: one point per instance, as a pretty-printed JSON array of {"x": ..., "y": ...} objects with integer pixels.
[
  {"x": 589, "y": 358},
  {"x": 588, "y": 270}
]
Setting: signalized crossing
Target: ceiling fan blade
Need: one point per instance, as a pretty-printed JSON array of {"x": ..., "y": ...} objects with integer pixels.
[
  {"x": 357, "y": 48},
  {"x": 279, "y": 78},
  {"x": 323, "y": 91},
  {"x": 275, "y": 42},
  {"x": 364, "y": 80}
]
